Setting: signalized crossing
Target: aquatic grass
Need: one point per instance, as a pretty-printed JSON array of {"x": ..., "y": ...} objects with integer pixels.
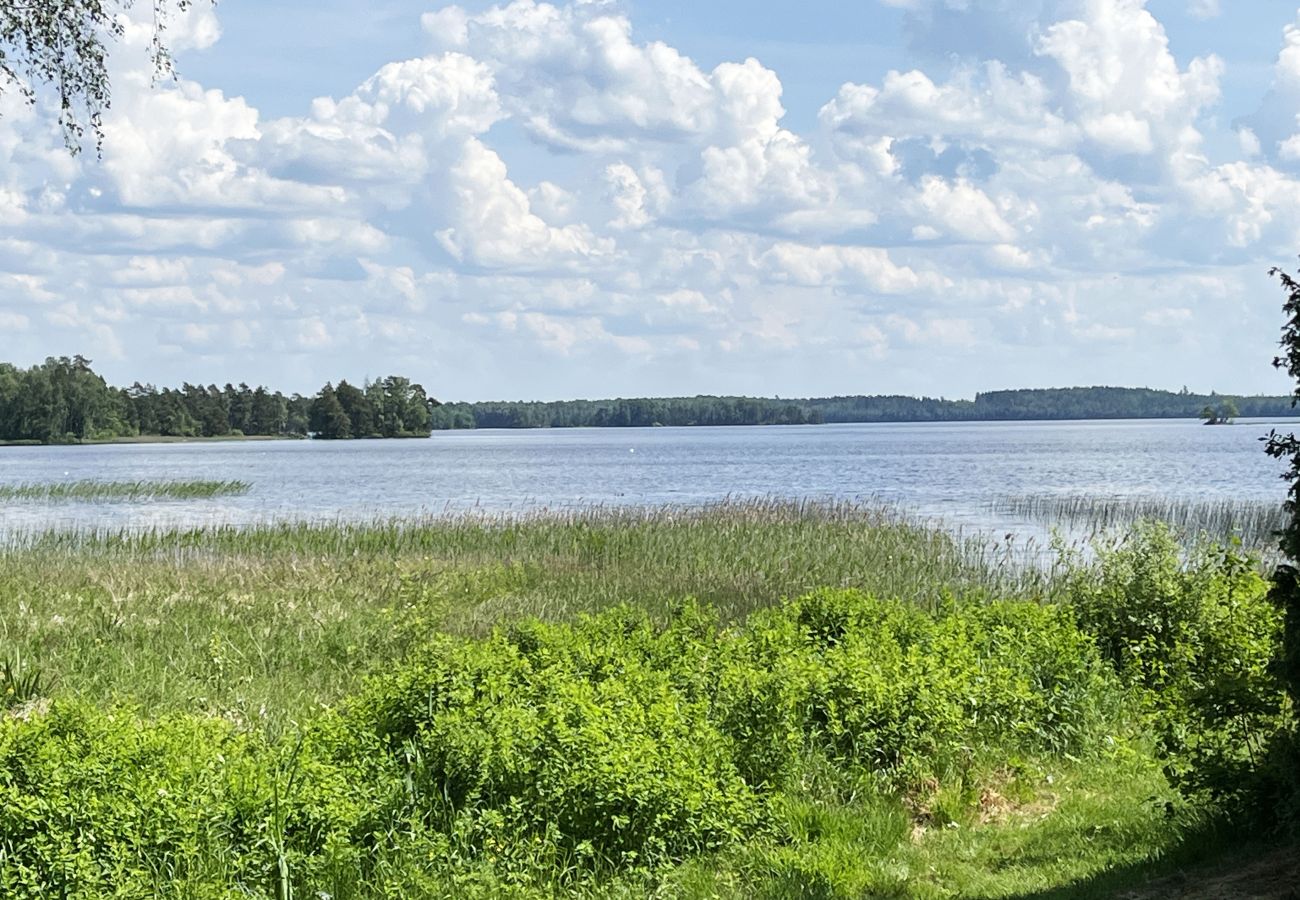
[
  {"x": 745, "y": 553},
  {"x": 265, "y": 622},
  {"x": 1255, "y": 523},
  {"x": 120, "y": 491}
]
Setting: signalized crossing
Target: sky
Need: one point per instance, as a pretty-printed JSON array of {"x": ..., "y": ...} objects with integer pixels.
[{"x": 599, "y": 198}]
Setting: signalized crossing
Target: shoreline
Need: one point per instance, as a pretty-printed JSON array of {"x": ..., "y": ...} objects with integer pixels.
[
  {"x": 228, "y": 438},
  {"x": 158, "y": 439}
]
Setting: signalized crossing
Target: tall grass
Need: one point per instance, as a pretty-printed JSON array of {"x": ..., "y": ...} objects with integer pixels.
[
  {"x": 121, "y": 491},
  {"x": 175, "y": 676},
  {"x": 740, "y": 554},
  {"x": 1256, "y": 523},
  {"x": 271, "y": 620}
]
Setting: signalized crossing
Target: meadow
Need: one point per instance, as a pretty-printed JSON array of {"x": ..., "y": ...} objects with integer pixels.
[{"x": 736, "y": 700}]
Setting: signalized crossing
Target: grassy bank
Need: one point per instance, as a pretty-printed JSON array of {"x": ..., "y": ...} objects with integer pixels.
[
  {"x": 850, "y": 706},
  {"x": 120, "y": 491}
]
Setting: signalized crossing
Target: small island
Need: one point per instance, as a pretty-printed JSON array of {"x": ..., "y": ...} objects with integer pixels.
[
  {"x": 1223, "y": 414},
  {"x": 64, "y": 401}
]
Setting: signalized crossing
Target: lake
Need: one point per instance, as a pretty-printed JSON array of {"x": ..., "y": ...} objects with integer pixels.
[{"x": 952, "y": 471}]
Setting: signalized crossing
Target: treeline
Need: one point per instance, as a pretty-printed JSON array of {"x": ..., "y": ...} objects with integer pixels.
[
  {"x": 64, "y": 401},
  {"x": 1051, "y": 403},
  {"x": 637, "y": 413}
]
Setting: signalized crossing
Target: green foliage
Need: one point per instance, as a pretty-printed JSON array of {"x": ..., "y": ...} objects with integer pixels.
[
  {"x": 327, "y": 418},
  {"x": 1055, "y": 403},
  {"x": 1284, "y": 756},
  {"x": 576, "y": 734},
  {"x": 58, "y": 401},
  {"x": 1221, "y": 414},
  {"x": 392, "y": 407},
  {"x": 94, "y": 802},
  {"x": 834, "y": 745},
  {"x": 1286, "y": 591},
  {"x": 910, "y": 695},
  {"x": 1198, "y": 638},
  {"x": 63, "y": 401},
  {"x": 550, "y": 752},
  {"x": 19, "y": 683},
  {"x": 63, "y": 48}
]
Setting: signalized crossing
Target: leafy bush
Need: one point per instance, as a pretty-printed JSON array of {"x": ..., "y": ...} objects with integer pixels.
[
  {"x": 94, "y": 803},
  {"x": 576, "y": 732},
  {"x": 89, "y": 800},
  {"x": 634, "y": 743},
  {"x": 907, "y": 694},
  {"x": 545, "y": 753},
  {"x": 1198, "y": 638}
]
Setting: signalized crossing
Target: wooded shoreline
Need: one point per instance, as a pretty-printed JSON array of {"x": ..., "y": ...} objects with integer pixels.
[{"x": 63, "y": 401}]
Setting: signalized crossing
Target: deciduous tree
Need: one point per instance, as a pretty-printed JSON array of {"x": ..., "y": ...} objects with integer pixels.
[
  {"x": 1287, "y": 447},
  {"x": 62, "y": 46}
]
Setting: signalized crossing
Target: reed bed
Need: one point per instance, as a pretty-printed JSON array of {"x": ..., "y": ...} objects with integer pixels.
[
  {"x": 269, "y": 621},
  {"x": 763, "y": 548},
  {"x": 1255, "y": 523},
  {"x": 120, "y": 491}
]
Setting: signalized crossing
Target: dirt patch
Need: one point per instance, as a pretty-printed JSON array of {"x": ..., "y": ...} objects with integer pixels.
[{"x": 1271, "y": 876}]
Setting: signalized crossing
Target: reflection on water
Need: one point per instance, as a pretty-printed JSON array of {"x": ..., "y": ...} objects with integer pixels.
[{"x": 953, "y": 471}]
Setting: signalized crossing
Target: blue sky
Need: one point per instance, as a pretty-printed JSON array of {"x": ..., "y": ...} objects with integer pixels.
[{"x": 532, "y": 200}]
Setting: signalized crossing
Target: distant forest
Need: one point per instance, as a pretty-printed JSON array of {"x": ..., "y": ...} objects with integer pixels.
[
  {"x": 64, "y": 401},
  {"x": 1050, "y": 403}
]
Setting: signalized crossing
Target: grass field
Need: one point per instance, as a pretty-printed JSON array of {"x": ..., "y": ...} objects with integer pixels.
[{"x": 522, "y": 706}]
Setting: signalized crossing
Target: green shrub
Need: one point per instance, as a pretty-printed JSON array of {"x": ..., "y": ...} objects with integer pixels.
[
  {"x": 912, "y": 694},
  {"x": 578, "y": 734},
  {"x": 96, "y": 803},
  {"x": 89, "y": 800},
  {"x": 626, "y": 742},
  {"x": 1197, "y": 637},
  {"x": 898, "y": 690},
  {"x": 548, "y": 754}
]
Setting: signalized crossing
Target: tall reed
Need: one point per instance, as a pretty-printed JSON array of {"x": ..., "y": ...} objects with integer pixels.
[
  {"x": 1255, "y": 522},
  {"x": 270, "y": 619},
  {"x": 120, "y": 491}
]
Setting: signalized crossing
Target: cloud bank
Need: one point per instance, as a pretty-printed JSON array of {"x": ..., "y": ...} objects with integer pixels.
[{"x": 1061, "y": 200}]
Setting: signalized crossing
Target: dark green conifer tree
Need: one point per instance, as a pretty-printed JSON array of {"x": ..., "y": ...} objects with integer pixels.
[{"x": 327, "y": 418}]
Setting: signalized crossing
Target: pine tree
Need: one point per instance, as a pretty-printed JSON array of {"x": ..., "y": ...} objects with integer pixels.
[{"x": 327, "y": 418}]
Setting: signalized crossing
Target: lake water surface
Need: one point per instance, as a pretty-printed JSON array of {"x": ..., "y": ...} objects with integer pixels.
[{"x": 953, "y": 471}]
